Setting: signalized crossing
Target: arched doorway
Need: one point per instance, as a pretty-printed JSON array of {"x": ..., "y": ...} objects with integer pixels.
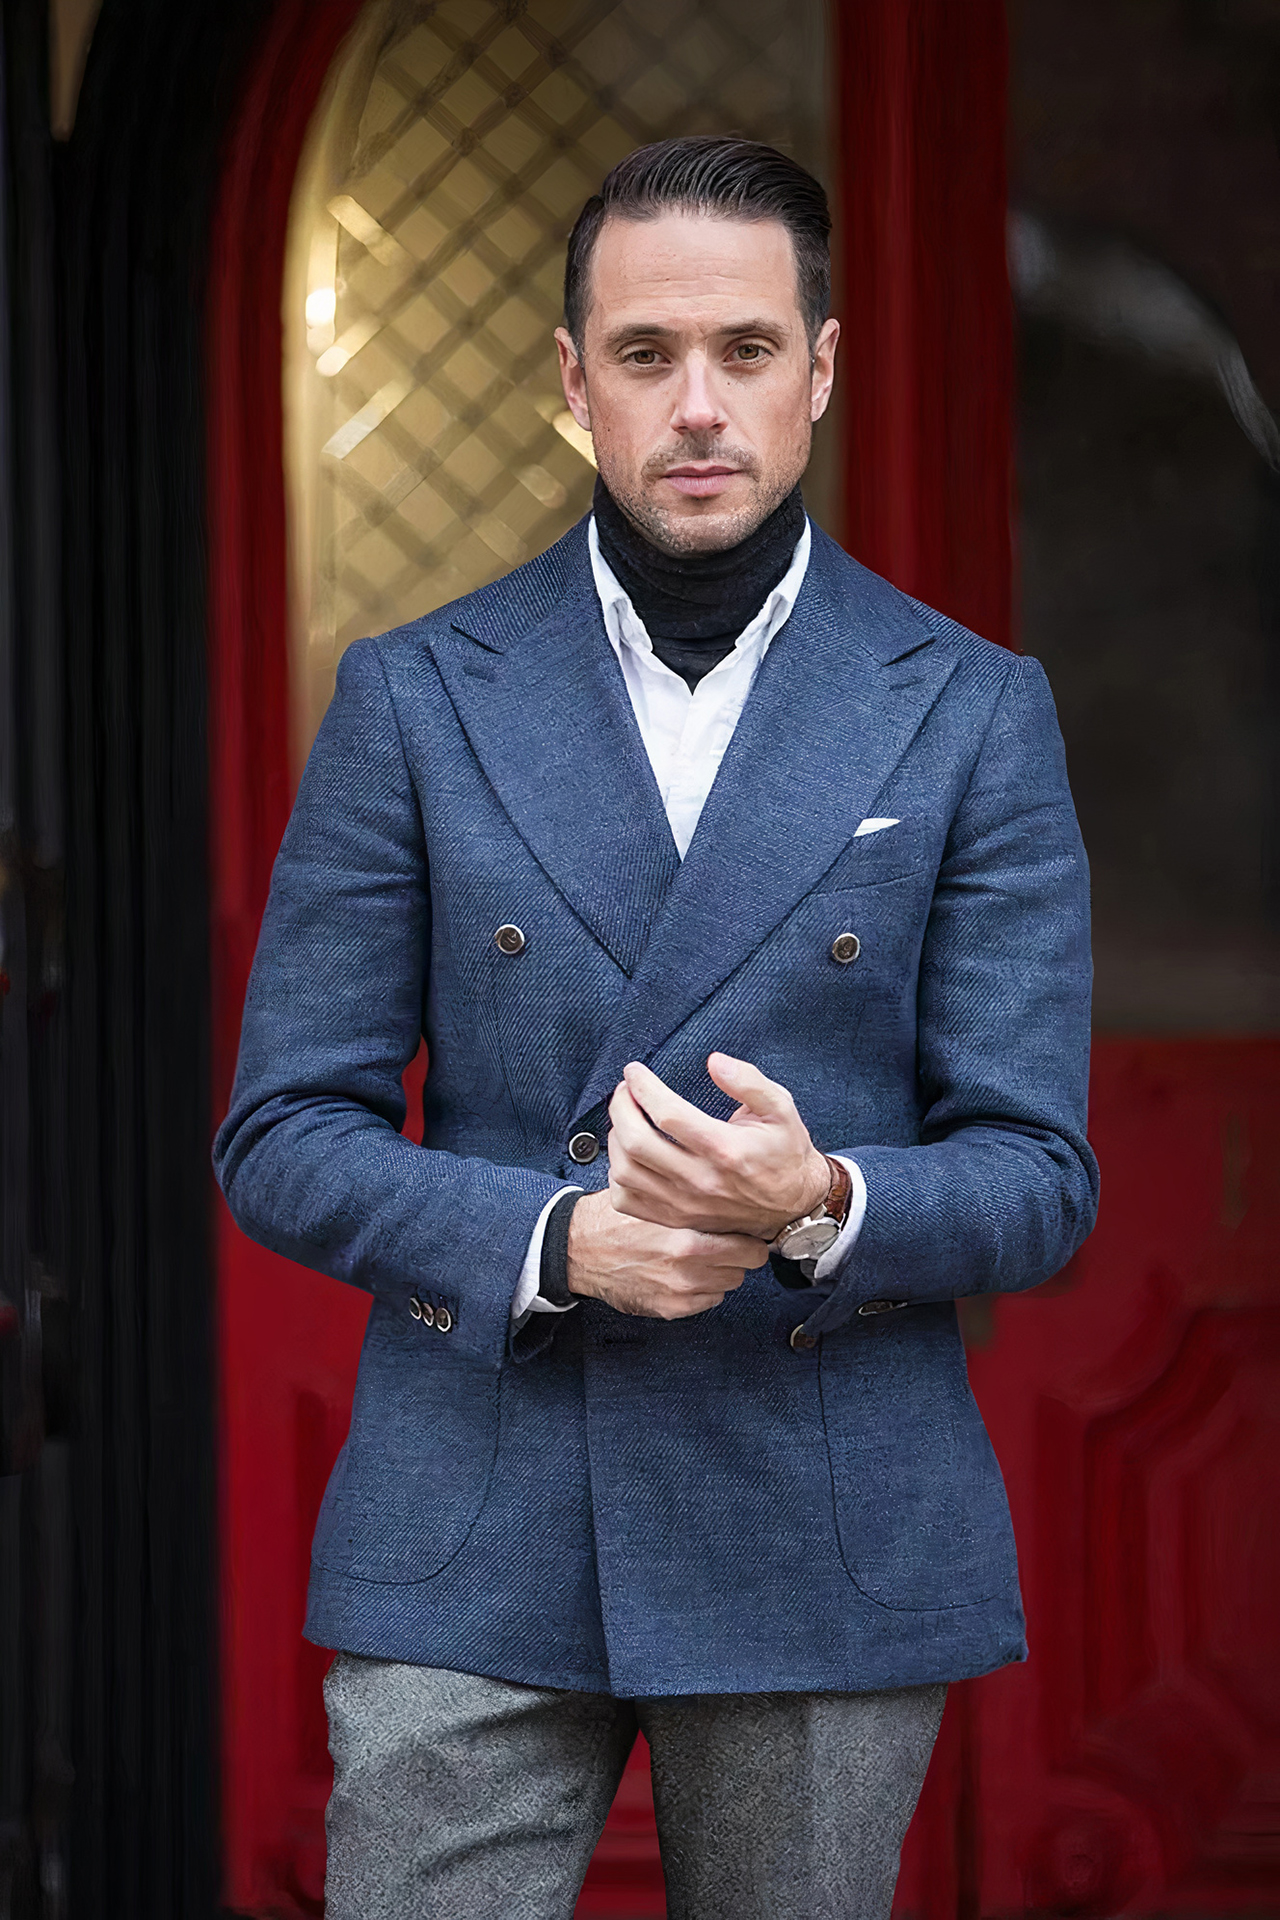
[{"x": 383, "y": 451}]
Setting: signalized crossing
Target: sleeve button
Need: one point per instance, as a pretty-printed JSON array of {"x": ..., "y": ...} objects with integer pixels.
[
  {"x": 444, "y": 1319},
  {"x": 583, "y": 1148}
]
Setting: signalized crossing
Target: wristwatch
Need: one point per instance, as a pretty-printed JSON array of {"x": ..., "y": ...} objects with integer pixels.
[{"x": 813, "y": 1233}]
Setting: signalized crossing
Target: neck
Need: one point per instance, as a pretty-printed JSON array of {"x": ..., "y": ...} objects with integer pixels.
[{"x": 700, "y": 602}]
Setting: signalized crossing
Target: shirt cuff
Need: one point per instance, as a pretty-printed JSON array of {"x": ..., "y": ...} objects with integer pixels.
[
  {"x": 527, "y": 1298},
  {"x": 840, "y": 1248}
]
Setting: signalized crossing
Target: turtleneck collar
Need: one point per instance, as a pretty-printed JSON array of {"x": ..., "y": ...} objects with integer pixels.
[{"x": 706, "y": 599}]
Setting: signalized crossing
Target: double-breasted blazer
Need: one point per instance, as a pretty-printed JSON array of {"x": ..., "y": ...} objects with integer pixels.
[{"x": 794, "y": 1490}]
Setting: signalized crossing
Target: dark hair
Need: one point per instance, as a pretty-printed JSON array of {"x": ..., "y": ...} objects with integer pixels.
[{"x": 709, "y": 173}]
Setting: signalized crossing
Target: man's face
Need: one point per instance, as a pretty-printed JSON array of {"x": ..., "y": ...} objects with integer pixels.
[{"x": 696, "y": 378}]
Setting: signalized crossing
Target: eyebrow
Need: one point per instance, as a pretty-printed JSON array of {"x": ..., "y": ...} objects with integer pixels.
[{"x": 640, "y": 330}]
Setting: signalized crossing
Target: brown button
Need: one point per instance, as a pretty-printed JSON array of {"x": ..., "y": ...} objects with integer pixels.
[
  {"x": 428, "y": 1315},
  {"x": 509, "y": 940},
  {"x": 802, "y": 1342},
  {"x": 880, "y": 1306},
  {"x": 583, "y": 1148},
  {"x": 415, "y": 1306},
  {"x": 444, "y": 1319},
  {"x": 845, "y": 947}
]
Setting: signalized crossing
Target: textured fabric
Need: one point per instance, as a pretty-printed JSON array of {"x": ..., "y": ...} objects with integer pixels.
[
  {"x": 787, "y": 1806},
  {"x": 529, "y": 1296},
  {"x": 685, "y": 734},
  {"x": 728, "y": 1512},
  {"x": 694, "y": 605},
  {"x": 553, "y": 1261},
  {"x": 685, "y": 740},
  {"x": 456, "y": 1795}
]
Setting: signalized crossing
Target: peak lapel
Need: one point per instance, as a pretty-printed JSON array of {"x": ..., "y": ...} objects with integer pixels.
[
  {"x": 543, "y": 702},
  {"x": 839, "y": 697}
]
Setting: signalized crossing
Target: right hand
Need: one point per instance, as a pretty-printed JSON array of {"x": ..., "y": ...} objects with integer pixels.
[{"x": 661, "y": 1273}]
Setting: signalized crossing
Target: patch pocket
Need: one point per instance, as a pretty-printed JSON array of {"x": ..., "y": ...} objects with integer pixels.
[
  {"x": 410, "y": 1482},
  {"x": 920, "y": 1504},
  {"x": 886, "y": 854}
]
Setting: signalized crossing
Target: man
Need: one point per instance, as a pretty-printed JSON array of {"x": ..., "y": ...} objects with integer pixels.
[{"x": 742, "y": 905}]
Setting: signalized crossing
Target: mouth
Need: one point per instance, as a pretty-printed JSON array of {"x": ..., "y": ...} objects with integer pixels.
[{"x": 701, "y": 480}]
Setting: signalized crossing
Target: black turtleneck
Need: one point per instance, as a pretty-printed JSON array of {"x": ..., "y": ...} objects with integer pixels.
[{"x": 694, "y": 606}]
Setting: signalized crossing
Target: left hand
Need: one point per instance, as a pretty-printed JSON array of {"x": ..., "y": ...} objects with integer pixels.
[{"x": 749, "y": 1174}]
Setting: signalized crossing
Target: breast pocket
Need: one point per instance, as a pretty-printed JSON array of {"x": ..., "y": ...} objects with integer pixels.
[
  {"x": 920, "y": 1503},
  {"x": 413, "y": 1476},
  {"x": 889, "y": 853}
]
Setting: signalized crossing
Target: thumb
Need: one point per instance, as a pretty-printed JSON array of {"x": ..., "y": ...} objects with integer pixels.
[{"x": 753, "y": 1089}]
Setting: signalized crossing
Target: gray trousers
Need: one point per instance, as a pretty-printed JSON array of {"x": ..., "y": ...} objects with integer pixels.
[{"x": 461, "y": 1798}]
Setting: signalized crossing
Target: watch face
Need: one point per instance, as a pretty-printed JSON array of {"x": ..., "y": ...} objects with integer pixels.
[{"x": 807, "y": 1242}]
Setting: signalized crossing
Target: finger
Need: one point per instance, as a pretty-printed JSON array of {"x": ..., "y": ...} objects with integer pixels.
[
  {"x": 734, "y": 1250},
  {"x": 741, "y": 1081},
  {"x": 678, "y": 1118},
  {"x": 748, "y": 1253},
  {"x": 639, "y": 1141},
  {"x": 654, "y": 1208}
]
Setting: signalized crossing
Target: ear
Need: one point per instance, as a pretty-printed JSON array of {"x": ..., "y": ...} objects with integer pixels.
[
  {"x": 572, "y": 378},
  {"x": 824, "y": 368}
]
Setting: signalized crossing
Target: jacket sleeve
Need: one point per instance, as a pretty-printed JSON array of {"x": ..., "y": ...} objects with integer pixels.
[
  {"x": 1003, "y": 1186},
  {"x": 310, "y": 1156}
]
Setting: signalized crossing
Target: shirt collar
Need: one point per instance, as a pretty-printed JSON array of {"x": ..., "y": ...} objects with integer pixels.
[{"x": 625, "y": 628}]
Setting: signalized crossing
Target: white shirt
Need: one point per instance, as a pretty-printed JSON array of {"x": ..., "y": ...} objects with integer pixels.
[{"x": 685, "y": 734}]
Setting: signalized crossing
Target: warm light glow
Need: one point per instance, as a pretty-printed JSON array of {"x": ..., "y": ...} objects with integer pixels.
[
  {"x": 371, "y": 415},
  {"x": 357, "y": 335},
  {"x": 362, "y": 226},
  {"x": 322, "y": 304}
]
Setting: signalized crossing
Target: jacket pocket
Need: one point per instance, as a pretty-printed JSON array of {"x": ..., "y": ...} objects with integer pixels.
[
  {"x": 410, "y": 1482},
  {"x": 920, "y": 1504},
  {"x": 890, "y": 854}
]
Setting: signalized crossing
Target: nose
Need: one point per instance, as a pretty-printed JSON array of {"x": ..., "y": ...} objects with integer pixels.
[{"x": 698, "y": 409}]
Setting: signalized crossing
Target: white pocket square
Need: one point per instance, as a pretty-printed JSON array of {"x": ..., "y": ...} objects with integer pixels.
[{"x": 875, "y": 826}]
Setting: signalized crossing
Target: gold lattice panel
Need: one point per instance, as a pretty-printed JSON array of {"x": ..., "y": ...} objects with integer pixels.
[{"x": 441, "y": 452}]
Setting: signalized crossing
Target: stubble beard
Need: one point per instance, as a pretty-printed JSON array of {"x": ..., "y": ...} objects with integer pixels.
[{"x": 716, "y": 529}]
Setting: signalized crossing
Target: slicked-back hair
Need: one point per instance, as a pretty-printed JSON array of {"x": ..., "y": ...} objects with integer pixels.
[{"x": 715, "y": 174}]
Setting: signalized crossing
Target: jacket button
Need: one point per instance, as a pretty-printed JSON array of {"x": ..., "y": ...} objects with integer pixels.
[
  {"x": 428, "y": 1314},
  {"x": 583, "y": 1148},
  {"x": 845, "y": 947},
  {"x": 802, "y": 1342},
  {"x": 415, "y": 1306},
  {"x": 509, "y": 940},
  {"x": 444, "y": 1319},
  {"x": 880, "y": 1306}
]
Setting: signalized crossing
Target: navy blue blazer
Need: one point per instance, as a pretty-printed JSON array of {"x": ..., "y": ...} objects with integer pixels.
[{"x": 620, "y": 1504}]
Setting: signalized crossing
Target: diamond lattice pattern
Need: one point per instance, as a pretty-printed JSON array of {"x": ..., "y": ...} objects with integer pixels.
[{"x": 446, "y": 454}]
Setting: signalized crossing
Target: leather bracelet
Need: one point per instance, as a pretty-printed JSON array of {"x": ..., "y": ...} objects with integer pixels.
[{"x": 840, "y": 1193}]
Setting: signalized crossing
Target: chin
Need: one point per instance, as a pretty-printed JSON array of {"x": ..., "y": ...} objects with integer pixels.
[{"x": 705, "y": 526}]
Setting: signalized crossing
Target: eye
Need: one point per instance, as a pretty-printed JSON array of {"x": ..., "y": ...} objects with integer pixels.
[
  {"x": 750, "y": 352},
  {"x": 643, "y": 357}
]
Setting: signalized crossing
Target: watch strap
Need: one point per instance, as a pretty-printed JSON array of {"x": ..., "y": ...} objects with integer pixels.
[{"x": 838, "y": 1200}]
